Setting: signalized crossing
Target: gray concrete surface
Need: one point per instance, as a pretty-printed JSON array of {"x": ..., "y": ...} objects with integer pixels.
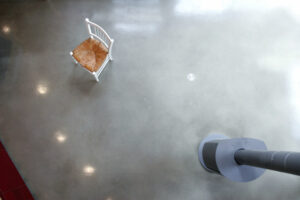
[{"x": 182, "y": 69}]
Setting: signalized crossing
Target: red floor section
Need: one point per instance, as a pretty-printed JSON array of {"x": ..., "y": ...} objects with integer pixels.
[{"x": 12, "y": 186}]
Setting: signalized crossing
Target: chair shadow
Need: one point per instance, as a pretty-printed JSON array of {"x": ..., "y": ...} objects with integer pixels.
[
  {"x": 83, "y": 81},
  {"x": 5, "y": 52}
]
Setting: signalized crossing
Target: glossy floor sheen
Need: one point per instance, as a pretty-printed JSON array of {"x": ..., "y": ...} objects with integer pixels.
[{"x": 182, "y": 69}]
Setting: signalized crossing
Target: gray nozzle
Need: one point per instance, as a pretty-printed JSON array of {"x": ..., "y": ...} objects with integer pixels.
[
  {"x": 244, "y": 159},
  {"x": 216, "y": 154}
]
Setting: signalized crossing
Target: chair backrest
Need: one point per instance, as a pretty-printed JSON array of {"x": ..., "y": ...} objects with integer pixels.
[{"x": 98, "y": 32}]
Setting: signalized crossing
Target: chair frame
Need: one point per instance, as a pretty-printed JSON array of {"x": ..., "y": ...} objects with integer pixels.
[{"x": 97, "y": 32}]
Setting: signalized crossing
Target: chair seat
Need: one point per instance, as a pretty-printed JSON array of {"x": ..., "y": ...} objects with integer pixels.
[{"x": 91, "y": 53}]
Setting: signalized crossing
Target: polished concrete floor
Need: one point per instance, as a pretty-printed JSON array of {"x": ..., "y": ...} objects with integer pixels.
[{"x": 182, "y": 70}]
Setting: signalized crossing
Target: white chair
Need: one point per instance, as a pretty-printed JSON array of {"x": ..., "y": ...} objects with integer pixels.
[{"x": 94, "y": 53}]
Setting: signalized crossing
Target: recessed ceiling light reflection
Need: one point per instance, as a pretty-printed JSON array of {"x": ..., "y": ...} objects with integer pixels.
[
  {"x": 88, "y": 170},
  {"x": 60, "y": 137},
  {"x": 42, "y": 89},
  {"x": 108, "y": 198},
  {"x": 6, "y": 29},
  {"x": 191, "y": 77}
]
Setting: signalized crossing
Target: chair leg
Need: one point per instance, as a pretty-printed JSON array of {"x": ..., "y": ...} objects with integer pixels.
[
  {"x": 96, "y": 77},
  {"x": 110, "y": 50},
  {"x": 71, "y": 53}
]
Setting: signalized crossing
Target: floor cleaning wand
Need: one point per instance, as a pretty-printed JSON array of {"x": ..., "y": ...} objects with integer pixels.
[{"x": 244, "y": 159}]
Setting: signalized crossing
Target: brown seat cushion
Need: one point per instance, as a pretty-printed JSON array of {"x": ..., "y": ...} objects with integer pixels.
[{"x": 90, "y": 54}]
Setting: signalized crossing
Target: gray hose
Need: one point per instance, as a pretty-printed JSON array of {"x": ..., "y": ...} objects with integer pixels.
[{"x": 288, "y": 162}]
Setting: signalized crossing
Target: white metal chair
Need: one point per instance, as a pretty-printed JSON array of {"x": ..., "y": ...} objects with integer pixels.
[{"x": 94, "y": 53}]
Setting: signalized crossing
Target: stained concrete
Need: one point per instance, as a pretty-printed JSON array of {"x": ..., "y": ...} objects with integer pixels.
[{"x": 182, "y": 69}]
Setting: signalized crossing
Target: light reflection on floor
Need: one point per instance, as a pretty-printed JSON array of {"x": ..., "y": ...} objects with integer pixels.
[
  {"x": 192, "y": 7},
  {"x": 191, "y": 77},
  {"x": 42, "y": 88},
  {"x": 60, "y": 136},
  {"x": 6, "y": 29},
  {"x": 88, "y": 170}
]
